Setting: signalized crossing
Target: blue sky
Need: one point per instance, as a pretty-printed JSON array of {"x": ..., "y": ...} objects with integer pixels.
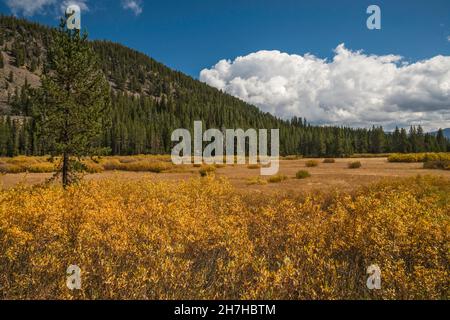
[
  {"x": 189, "y": 35},
  {"x": 257, "y": 50}
]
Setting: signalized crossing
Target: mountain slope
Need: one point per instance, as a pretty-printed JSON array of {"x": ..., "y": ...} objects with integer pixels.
[
  {"x": 149, "y": 101},
  {"x": 445, "y": 131}
]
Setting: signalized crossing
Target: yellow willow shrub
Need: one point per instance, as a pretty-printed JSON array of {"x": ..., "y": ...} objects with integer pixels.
[
  {"x": 419, "y": 157},
  {"x": 201, "y": 240},
  {"x": 41, "y": 167},
  {"x": 402, "y": 227},
  {"x": 132, "y": 240}
]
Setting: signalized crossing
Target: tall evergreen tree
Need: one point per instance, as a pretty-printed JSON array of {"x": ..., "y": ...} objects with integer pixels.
[{"x": 72, "y": 102}]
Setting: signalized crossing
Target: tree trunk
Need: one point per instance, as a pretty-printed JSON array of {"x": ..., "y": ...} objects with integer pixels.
[{"x": 65, "y": 170}]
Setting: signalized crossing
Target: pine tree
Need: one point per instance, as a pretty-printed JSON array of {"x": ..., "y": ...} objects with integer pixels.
[
  {"x": 71, "y": 105},
  {"x": 441, "y": 141},
  {"x": 2, "y": 64}
]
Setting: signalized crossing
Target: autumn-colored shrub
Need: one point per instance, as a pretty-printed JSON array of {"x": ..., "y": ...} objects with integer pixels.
[
  {"x": 128, "y": 159},
  {"x": 354, "y": 165},
  {"x": 112, "y": 164},
  {"x": 256, "y": 181},
  {"x": 11, "y": 168},
  {"x": 329, "y": 160},
  {"x": 202, "y": 240},
  {"x": 42, "y": 167},
  {"x": 277, "y": 178},
  {"x": 254, "y": 166},
  {"x": 311, "y": 163},
  {"x": 370, "y": 155},
  {"x": 146, "y": 166},
  {"x": 207, "y": 170},
  {"x": 92, "y": 167},
  {"x": 419, "y": 157},
  {"x": 137, "y": 166},
  {"x": 302, "y": 174},
  {"x": 437, "y": 164}
]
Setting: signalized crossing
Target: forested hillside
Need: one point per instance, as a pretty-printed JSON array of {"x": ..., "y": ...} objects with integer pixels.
[{"x": 150, "y": 100}]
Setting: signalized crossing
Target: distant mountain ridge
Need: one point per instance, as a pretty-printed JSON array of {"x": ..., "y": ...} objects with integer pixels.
[
  {"x": 150, "y": 100},
  {"x": 445, "y": 131}
]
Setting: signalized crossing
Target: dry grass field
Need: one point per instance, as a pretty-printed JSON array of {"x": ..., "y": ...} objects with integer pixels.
[
  {"x": 204, "y": 232},
  {"x": 325, "y": 176}
]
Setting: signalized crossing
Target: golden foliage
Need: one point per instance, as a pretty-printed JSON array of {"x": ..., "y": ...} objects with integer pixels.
[
  {"x": 419, "y": 157},
  {"x": 256, "y": 181},
  {"x": 150, "y": 163},
  {"x": 201, "y": 240},
  {"x": 207, "y": 170},
  {"x": 277, "y": 178}
]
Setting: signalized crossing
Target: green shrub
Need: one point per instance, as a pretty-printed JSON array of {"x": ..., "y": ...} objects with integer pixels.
[
  {"x": 302, "y": 174},
  {"x": 312, "y": 163},
  {"x": 354, "y": 165}
]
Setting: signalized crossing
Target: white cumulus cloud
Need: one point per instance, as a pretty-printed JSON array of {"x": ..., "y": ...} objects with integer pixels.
[
  {"x": 28, "y": 7},
  {"x": 133, "y": 5},
  {"x": 81, "y": 3},
  {"x": 353, "y": 88},
  {"x": 32, "y": 7}
]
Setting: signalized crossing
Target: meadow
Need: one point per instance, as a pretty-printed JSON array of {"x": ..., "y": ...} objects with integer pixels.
[{"x": 176, "y": 233}]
